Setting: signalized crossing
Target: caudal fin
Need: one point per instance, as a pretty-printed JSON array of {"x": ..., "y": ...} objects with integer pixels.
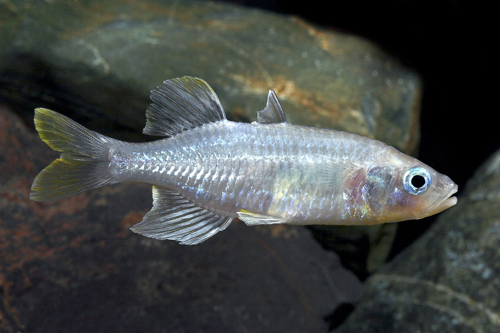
[{"x": 84, "y": 160}]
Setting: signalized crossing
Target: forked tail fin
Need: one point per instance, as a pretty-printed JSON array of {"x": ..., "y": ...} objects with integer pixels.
[{"x": 84, "y": 160}]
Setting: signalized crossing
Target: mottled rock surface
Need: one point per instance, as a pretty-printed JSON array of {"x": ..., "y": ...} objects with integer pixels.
[
  {"x": 324, "y": 79},
  {"x": 449, "y": 280},
  {"x": 73, "y": 265}
]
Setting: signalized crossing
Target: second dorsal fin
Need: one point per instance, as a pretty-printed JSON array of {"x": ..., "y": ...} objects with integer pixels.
[
  {"x": 180, "y": 104},
  {"x": 273, "y": 112}
]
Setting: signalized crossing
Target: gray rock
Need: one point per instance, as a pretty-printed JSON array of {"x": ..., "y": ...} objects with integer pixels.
[
  {"x": 449, "y": 280},
  {"x": 97, "y": 60},
  {"x": 323, "y": 78}
]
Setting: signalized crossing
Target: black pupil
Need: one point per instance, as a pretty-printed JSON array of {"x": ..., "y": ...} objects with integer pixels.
[{"x": 418, "y": 181}]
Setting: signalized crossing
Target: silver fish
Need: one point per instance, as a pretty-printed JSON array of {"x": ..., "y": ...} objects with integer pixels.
[{"x": 210, "y": 170}]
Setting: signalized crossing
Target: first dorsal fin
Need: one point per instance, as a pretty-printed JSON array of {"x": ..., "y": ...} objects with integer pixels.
[
  {"x": 176, "y": 218},
  {"x": 180, "y": 104},
  {"x": 273, "y": 112}
]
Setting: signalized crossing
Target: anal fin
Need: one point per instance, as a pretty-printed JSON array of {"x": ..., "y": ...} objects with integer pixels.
[
  {"x": 176, "y": 218},
  {"x": 258, "y": 219}
]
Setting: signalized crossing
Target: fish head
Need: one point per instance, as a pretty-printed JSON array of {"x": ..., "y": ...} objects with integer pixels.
[{"x": 407, "y": 191}]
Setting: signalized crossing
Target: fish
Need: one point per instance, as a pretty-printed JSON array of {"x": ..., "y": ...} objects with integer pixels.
[{"x": 206, "y": 170}]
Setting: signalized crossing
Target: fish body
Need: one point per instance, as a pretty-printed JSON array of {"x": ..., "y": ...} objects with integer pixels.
[
  {"x": 210, "y": 170},
  {"x": 300, "y": 174}
]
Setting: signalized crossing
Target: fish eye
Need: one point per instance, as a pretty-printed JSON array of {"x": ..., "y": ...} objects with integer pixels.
[{"x": 417, "y": 180}]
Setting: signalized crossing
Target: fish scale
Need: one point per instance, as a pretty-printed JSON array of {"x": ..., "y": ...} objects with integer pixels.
[
  {"x": 227, "y": 169},
  {"x": 210, "y": 170}
]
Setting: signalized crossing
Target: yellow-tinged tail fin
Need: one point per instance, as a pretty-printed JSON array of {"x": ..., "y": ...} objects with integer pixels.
[{"x": 83, "y": 164}]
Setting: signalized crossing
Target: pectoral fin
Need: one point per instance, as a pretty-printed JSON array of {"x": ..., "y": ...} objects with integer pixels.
[
  {"x": 258, "y": 219},
  {"x": 176, "y": 218}
]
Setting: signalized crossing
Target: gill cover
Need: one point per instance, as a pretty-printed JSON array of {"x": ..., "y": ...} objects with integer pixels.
[{"x": 379, "y": 185}]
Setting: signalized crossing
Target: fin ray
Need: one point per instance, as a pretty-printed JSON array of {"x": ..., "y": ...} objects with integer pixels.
[
  {"x": 83, "y": 162},
  {"x": 180, "y": 104},
  {"x": 258, "y": 219},
  {"x": 188, "y": 224},
  {"x": 67, "y": 136},
  {"x": 273, "y": 112}
]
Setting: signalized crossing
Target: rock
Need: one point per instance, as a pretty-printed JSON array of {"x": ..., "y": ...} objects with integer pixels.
[
  {"x": 73, "y": 265},
  {"x": 342, "y": 81},
  {"x": 449, "y": 280},
  {"x": 96, "y": 61}
]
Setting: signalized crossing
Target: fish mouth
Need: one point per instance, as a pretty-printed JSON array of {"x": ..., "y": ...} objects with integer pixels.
[{"x": 449, "y": 201}]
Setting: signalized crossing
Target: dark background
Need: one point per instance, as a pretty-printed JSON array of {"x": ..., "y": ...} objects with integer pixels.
[{"x": 451, "y": 44}]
